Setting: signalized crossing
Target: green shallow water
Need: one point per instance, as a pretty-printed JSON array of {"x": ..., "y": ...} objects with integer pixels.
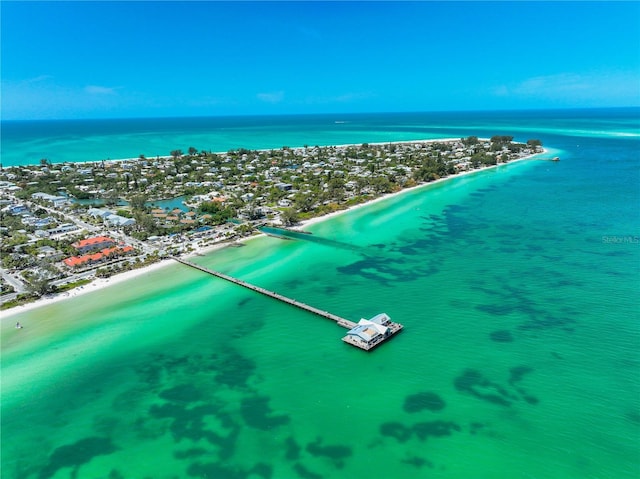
[{"x": 519, "y": 358}]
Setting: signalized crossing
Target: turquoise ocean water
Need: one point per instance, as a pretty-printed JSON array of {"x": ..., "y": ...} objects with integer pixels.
[{"x": 520, "y": 358}]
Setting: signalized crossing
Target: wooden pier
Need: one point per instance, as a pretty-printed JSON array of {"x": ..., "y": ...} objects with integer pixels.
[{"x": 345, "y": 323}]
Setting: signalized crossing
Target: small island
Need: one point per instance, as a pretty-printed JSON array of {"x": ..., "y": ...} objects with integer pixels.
[{"x": 65, "y": 224}]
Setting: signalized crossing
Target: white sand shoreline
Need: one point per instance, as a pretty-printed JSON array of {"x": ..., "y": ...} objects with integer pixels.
[
  {"x": 101, "y": 283},
  {"x": 95, "y": 285},
  {"x": 318, "y": 219},
  {"x": 167, "y": 157}
]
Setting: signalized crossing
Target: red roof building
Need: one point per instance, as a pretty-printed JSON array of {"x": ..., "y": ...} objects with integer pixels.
[
  {"x": 92, "y": 244},
  {"x": 99, "y": 257}
]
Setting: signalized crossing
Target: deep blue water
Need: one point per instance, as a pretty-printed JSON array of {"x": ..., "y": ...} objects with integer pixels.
[{"x": 26, "y": 142}]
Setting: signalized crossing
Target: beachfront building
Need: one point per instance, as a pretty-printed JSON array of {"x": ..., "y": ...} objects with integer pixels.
[
  {"x": 369, "y": 332},
  {"x": 98, "y": 257},
  {"x": 93, "y": 244}
]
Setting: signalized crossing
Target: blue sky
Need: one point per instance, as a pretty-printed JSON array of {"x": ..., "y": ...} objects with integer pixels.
[{"x": 147, "y": 59}]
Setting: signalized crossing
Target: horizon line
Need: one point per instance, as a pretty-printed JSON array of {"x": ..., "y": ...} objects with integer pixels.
[{"x": 255, "y": 115}]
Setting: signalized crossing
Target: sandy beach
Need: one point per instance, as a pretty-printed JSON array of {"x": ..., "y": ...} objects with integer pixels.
[
  {"x": 102, "y": 283},
  {"x": 319, "y": 219},
  {"x": 95, "y": 285}
]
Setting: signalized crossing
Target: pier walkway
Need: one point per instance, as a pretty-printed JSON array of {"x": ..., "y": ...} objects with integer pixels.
[{"x": 345, "y": 323}]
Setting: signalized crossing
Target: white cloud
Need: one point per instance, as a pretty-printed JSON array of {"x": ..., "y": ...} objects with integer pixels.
[
  {"x": 99, "y": 90},
  {"x": 551, "y": 85},
  {"x": 594, "y": 88},
  {"x": 37, "y": 79},
  {"x": 272, "y": 97},
  {"x": 41, "y": 97}
]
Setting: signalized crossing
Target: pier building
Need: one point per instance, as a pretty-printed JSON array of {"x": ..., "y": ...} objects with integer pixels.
[{"x": 366, "y": 334}]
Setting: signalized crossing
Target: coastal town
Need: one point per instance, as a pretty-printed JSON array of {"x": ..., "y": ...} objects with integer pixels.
[{"x": 66, "y": 224}]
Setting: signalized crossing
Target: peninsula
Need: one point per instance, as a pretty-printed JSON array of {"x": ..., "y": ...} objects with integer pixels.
[{"x": 64, "y": 225}]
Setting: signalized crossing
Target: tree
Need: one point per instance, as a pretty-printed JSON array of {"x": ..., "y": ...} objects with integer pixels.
[
  {"x": 176, "y": 154},
  {"x": 470, "y": 140},
  {"x": 137, "y": 202},
  {"x": 501, "y": 140},
  {"x": 381, "y": 184},
  {"x": 289, "y": 216},
  {"x": 482, "y": 158},
  {"x": 244, "y": 229},
  {"x": 111, "y": 198},
  {"x": 252, "y": 212},
  {"x": 219, "y": 214},
  {"x": 304, "y": 202},
  {"x": 193, "y": 151},
  {"x": 40, "y": 286},
  {"x": 534, "y": 143},
  {"x": 335, "y": 188}
]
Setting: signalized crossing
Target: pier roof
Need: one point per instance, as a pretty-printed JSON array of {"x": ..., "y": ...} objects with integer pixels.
[{"x": 368, "y": 330}]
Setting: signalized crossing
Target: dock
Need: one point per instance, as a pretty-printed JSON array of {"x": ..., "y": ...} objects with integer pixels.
[
  {"x": 345, "y": 323},
  {"x": 273, "y": 235},
  {"x": 287, "y": 228}
]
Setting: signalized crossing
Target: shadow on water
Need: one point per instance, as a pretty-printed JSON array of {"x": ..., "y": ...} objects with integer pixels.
[
  {"x": 289, "y": 234},
  {"x": 378, "y": 262},
  {"x": 75, "y": 455}
]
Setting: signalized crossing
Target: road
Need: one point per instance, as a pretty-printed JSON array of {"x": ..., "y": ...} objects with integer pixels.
[
  {"x": 18, "y": 285},
  {"x": 96, "y": 229},
  {"x": 93, "y": 229},
  {"x": 21, "y": 286}
]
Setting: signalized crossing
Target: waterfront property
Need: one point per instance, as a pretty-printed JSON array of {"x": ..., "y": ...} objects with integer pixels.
[
  {"x": 369, "y": 333},
  {"x": 274, "y": 187},
  {"x": 111, "y": 219},
  {"x": 56, "y": 200},
  {"x": 99, "y": 257},
  {"x": 92, "y": 244},
  {"x": 366, "y": 335}
]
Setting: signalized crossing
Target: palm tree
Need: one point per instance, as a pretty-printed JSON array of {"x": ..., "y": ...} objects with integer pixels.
[{"x": 176, "y": 155}]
